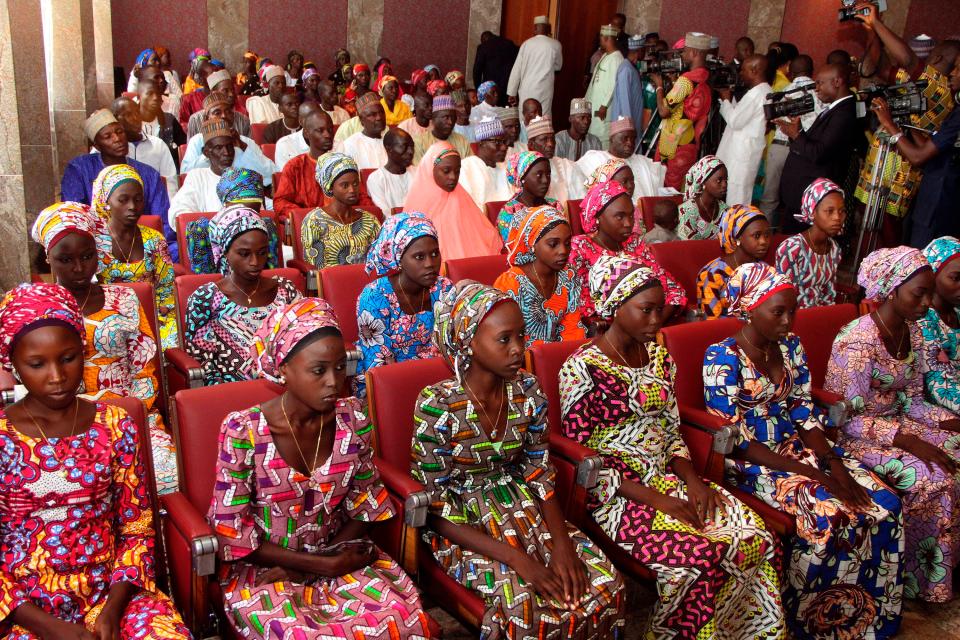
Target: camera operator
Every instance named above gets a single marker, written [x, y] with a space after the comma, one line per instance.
[684, 110]
[799, 72]
[824, 150]
[904, 178]
[935, 209]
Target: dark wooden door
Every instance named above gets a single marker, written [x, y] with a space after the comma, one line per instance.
[517, 18]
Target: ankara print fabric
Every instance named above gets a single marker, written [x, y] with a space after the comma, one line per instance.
[552, 320]
[498, 487]
[813, 274]
[711, 282]
[886, 398]
[692, 226]
[75, 519]
[940, 361]
[843, 576]
[328, 242]
[513, 208]
[720, 582]
[258, 497]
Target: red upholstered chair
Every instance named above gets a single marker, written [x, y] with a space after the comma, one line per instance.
[395, 210]
[683, 259]
[474, 147]
[775, 240]
[573, 215]
[817, 327]
[269, 150]
[153, 222]
[647, 204]
[257, 131]
[186, 218]
[483, 269]
[493, 210]
[364, 176]
[298, 261]
[341, 287]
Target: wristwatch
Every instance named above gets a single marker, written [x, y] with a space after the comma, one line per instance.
[895, 138]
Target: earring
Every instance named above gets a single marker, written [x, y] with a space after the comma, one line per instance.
[468, 352]
[283, 380]
[107, 207]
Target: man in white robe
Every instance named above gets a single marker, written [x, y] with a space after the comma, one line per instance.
[566, 179]
[150, 150]
[484, 175]
[647, 174]
[366, 146]
[744, 139]
[266, 109]
[388, 185]
[603, 82]
[289, 147]
[532, 76]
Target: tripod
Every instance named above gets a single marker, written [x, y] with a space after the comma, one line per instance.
[876, 201]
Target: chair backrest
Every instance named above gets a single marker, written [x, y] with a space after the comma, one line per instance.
[544, 360]
[375, 211]
[392, 392]
[483, 269]
[365, 175]
[152, 222]
[647, 204]
[181, 151]
[186, 218]
[269, 150]
[184, 286]
[199, 414]
[683, 259]
[817, 327]
[775, 241]
[148, 301]
[573, 215]
[686, 344]
[341, 287]
[297, 216]
[395, 210]
[256, 132]
[493, 210]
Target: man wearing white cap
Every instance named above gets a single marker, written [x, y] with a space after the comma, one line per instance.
[483, 175]
[602, 83]
[577, 140]
[532, 75]
[647, 174]
[266, 109]
[744, 138]
[566, 179]
[222, 82]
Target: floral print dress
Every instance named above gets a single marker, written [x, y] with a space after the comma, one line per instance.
[75, 519]
[328, 242]
[259, 498]
[722, 581]
[940, 361]
[497, 488]
[711, 281]
[886, 398]
[843, 571]
[387, 334]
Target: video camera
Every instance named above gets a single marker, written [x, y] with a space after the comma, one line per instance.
[848, 10]
[789, 104]
[663, 62]
[903, 100]
[723, 75]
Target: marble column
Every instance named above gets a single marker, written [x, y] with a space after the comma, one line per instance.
[643, 16]
[228, 30]
[365, 30]
[103, 51]
[765, 22]
[73, 87]
[484, 16]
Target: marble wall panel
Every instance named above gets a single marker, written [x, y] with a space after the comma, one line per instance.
[765, 22]
[484, 16]
[365, 31]
[643, 16]
[228, 31]
[103, 51]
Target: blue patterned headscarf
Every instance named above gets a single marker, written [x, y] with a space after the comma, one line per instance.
[229, 223]
[942, 251]
[144, 57]
[396, 234]
[331, 166]
[240, 186]
[484, 89]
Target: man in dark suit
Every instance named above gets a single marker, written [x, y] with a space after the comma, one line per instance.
[825, 150]
[495, 58]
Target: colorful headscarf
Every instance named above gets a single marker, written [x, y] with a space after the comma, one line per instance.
[218, 64]
[396, 234]
[284, 329]
[161, 50]
[698, 175]
[453, 76]
[229, 223]
[437, 87]
[732, 223]
[144, 56]
[431, 67]
[240, 186]
[886, 269]
[385, 80]
[526, 229]
[62, 218]
[597, 198]
[331, 166]
[614, 280]
[751, 284]
[27, 305]
[942, 251]
[604, 172]
[458, 314]
[109, 178]
[416, 76]
[199, 52]
[359, 67]
[308, 73]
[519, 164]
[812, 195]
[250, 55]
[484, 89]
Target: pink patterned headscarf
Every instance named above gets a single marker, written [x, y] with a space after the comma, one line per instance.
[886, 269]
[751, 284]
[284, 329]
[599, 196]
[812, 195]
[614, 280]
[604, 172]
[29, 305]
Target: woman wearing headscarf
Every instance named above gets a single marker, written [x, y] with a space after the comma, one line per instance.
[744, 238]
[338, 232]
[704, 192]
[120, 345]
[248, 80]
[909, 442]
[222, 316]
[811, 259]
[462, 229]
[77, 525]
[395, 311]
[396, 110]
[618, 170]
[169, 73]
[194, 79]
[359, 85]
[617, 398]
[940, 327]
[146, 58]
[528, 172]
[433, 72]
[480, 449]
[539, 280]
[131, 252]
[339, 77]
[294, 68]
[296, 494]
[418, 84]
[607, 217]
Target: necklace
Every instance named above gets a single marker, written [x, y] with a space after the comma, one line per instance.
[133, 242]
[249, 296]
[495, 425]
[73, 429]
[763, 352]
[620, 355]
[712, 213]
[413, 310]
[316, 452]
[890, 333]
[544, 292]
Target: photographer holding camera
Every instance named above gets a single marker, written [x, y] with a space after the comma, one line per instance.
[901, 177]
[824, 150]
[684, 110]
[935, 209]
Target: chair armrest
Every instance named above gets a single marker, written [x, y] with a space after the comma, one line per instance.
[833, 403]
[186, 365]
[179, 270]
[415, 500]
[308, 271]
[724, 432]
[586, 460]
[194, 527]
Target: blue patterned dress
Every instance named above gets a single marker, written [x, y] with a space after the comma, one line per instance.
[940, 361]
